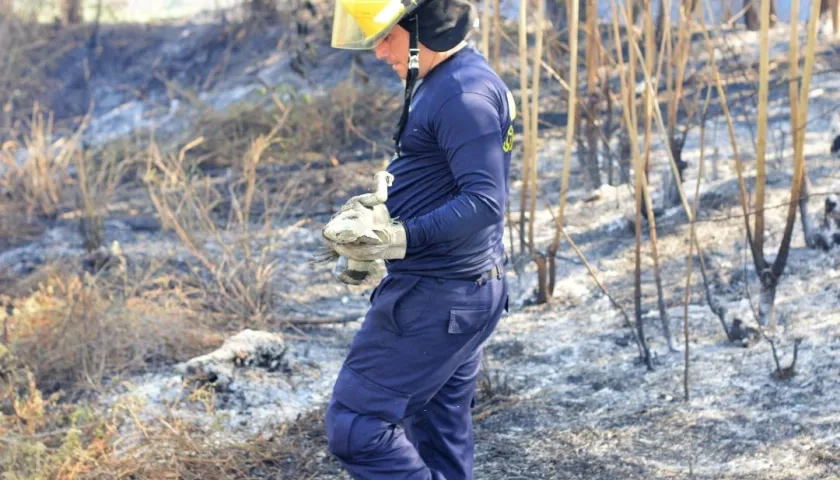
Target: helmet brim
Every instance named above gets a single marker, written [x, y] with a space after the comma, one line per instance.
[362, 24]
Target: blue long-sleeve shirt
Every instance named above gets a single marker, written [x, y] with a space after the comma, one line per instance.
[451, 180]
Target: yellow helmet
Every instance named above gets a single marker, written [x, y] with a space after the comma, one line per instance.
[360, 24]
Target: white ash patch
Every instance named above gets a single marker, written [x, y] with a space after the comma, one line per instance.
[251, 384]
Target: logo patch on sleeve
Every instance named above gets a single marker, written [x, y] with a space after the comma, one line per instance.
[507, 146]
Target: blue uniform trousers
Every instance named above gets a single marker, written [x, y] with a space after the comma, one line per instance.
[401, 403]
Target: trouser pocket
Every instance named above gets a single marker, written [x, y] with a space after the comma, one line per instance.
[360, 412]
[386, 298]
[463, 320]
[368, 397]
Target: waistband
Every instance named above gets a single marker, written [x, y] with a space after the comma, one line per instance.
[494, 273]
[497, 271]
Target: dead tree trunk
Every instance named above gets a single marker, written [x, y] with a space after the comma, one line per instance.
[607, 129]
[808, 228]
[751, 16]
[624, 157]
[835, 15]
[582, 150]
[767, 296]
[591, 132]
[555, 10]
[673, 196]
[751, 19]
[497, 36]
[71, 12]
[831, 7]
[542, 294]
[636, 9]
[660, 24]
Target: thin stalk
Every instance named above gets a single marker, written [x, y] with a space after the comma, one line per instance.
[649, 95]
[793, 94]
[639, 182]
[807, 222]
[574, 13]
[649, 99]
[690, 257]
[799, 134]
[676, 78]
[767, 294]
[758, 258]
[485, 28]
[497, 30]
[543, 295]
[630, 122]
[835, 16]
[593, 35]
[761, 141]
[660, 294]
[635, 48]
[535, 108]
[526, 121]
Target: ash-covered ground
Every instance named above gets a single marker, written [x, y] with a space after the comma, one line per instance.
[563, 394]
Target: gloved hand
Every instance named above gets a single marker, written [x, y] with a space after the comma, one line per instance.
[366, 233]
[390, 245]
[362, 235]
[357, 272]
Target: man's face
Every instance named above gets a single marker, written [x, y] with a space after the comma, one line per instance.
[394, 50]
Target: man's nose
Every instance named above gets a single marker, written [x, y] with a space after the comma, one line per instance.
[381, 50]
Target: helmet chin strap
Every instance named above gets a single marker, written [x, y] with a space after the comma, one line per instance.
[411, 77]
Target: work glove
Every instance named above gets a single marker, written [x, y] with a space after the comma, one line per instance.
[358, 236]
[357, 272]
[366, 233]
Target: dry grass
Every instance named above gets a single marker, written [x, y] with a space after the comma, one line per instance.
[236, 263]
[46, 439]
[72, 331]
[37, 170]
[301, 127]
[77, 330]
[229, 223]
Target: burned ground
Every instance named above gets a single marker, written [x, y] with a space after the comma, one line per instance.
[562, 393]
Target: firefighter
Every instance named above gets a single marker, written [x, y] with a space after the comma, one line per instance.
[400, 406]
